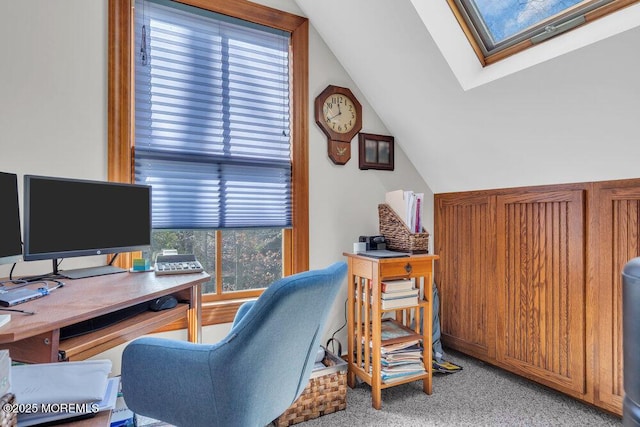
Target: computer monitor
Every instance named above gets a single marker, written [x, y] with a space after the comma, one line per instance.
[10, 235]
[71, 218]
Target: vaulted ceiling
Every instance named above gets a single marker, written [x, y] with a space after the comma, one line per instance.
[565, 111]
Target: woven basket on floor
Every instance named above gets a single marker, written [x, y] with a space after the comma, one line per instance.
[326, 393]
[397, 234]
[10, 418]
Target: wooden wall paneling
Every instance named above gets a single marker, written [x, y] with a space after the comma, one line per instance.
[465, 240]
[541, 286]
[558, 251]
[618, 233]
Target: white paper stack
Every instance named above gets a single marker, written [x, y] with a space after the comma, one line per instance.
[409, 206]
[68, 389]
[69, 382]
[5, 372]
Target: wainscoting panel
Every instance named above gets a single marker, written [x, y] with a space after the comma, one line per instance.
[541, 286]
[619, 219]
[530, 281]
[465, 230]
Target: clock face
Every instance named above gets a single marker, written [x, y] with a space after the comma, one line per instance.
[339, 113]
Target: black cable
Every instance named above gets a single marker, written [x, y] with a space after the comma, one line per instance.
[18, 283]
[58, 283]
[333, 339]
[114, 258]
[11, 272]
[18, 311]
[50, 276]
[24, 283]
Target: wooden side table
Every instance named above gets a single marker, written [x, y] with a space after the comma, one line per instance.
[365, 316]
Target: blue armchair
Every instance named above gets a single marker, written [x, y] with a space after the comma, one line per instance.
[251, 376]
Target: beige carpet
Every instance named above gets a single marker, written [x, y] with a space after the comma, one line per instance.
[479, 395]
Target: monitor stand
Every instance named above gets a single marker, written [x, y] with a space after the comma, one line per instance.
[81, 273]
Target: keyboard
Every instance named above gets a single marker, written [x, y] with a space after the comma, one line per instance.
[177, 264]
[101, 322]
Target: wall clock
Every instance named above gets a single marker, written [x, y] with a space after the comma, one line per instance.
[339, 115]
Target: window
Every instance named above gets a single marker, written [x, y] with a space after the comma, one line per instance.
[247, 259]
[212, 138]
[497, 29]
[245, 152]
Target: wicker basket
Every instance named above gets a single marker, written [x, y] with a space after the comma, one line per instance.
[397, 234]
[326, 393]
[8, 418]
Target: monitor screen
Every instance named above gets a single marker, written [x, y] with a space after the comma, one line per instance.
[10, 236]
[71, 217]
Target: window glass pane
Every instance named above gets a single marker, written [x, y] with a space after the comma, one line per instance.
[251, 258]
[504, 19]
[201, 243]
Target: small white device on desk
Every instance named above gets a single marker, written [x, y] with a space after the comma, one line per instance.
[177, 264]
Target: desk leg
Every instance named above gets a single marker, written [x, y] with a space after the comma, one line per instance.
[41, 348]
[194, 315]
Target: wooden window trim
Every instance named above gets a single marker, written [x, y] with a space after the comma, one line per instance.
[526, 44]
[121, 129]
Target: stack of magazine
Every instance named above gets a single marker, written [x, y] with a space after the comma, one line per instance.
[401, 362]
[401, 352]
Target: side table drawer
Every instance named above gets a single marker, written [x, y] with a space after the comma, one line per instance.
[405, 268]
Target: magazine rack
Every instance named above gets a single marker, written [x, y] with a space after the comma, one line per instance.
[397, 234]
[373, 332]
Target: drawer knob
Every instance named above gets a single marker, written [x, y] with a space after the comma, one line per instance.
[408, 268]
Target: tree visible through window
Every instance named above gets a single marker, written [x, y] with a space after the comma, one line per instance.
[250, 258]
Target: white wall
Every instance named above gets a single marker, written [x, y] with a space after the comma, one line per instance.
[53, 121]
[53, 109]
[573, 118]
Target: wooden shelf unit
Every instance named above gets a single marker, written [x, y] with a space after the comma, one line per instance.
[365, 316]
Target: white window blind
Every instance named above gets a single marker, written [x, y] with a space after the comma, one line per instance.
[211, 118]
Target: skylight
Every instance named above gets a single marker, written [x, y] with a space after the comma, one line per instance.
[499, 28]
